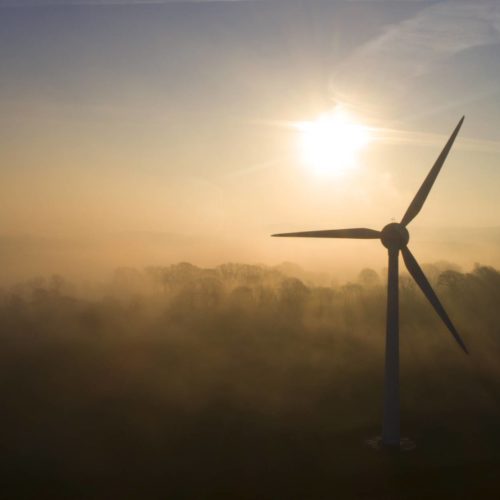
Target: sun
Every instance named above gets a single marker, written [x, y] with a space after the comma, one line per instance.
[331, 143]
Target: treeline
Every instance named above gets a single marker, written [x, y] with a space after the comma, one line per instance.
[279, 317]
[94, 374]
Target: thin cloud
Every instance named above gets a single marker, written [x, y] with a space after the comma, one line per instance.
[397, 136]
[96, 3]
[417, 45]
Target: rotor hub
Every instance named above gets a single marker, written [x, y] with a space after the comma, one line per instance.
[395, 235]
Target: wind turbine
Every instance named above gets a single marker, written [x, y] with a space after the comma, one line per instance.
[395, 238]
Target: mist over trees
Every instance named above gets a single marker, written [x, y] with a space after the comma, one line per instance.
[167, 369]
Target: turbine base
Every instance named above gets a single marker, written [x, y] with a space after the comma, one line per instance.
[405, 444]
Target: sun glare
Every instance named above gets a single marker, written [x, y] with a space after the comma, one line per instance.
[331, 143]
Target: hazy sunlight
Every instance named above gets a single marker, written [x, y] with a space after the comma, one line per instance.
[330, 144]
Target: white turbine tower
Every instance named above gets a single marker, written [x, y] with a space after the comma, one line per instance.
[395, 238]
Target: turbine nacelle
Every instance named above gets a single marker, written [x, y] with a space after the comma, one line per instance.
[395, 236]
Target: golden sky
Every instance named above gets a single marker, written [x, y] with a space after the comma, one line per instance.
[136, 133]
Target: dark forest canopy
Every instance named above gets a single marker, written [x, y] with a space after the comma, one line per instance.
[155, 363]
[278, 322]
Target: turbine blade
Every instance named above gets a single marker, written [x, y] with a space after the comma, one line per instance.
[418, 275]
[357, 233]
[419, 200]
